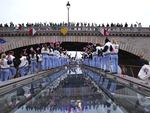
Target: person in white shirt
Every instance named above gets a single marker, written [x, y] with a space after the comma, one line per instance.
[33, 59]
[56, 58]
[45, 53]
[50, 58]
[10, 57]
[5, 68]
[107, 55]
[23, 65]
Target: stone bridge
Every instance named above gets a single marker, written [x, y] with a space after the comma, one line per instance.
[133, 40]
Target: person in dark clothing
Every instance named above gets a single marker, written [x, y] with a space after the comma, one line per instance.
[16, 62]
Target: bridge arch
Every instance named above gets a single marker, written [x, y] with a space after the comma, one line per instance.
[128, 44]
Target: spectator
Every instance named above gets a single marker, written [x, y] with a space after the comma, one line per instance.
[5, 68]
[10, 57]
[126, 25]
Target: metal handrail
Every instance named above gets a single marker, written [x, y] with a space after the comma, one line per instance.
[138, 85]
[13, 84]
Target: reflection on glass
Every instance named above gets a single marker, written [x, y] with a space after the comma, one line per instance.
[74, 94]
[81, 91]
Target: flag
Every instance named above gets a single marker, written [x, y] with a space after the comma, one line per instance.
[32, 31]
[104, 32]
[64, 30]
[101, 31]
[2, 41]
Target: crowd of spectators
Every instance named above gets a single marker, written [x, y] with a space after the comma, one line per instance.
[71, 24]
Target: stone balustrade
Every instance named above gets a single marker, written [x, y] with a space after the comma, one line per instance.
[77, 31]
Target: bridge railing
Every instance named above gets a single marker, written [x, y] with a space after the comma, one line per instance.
[134, 83]
[17, 92]
[79, 28]
[10, 85]
[131, 91]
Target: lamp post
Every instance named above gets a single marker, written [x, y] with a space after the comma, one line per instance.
[68, 6]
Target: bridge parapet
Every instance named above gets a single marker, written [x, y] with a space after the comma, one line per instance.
[77, 31]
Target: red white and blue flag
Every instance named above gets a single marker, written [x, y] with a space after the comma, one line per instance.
[32, 31]
[104, 32]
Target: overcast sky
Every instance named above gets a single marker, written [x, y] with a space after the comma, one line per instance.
[92, 11]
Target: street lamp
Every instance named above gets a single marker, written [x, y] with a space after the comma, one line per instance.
[68, 6]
